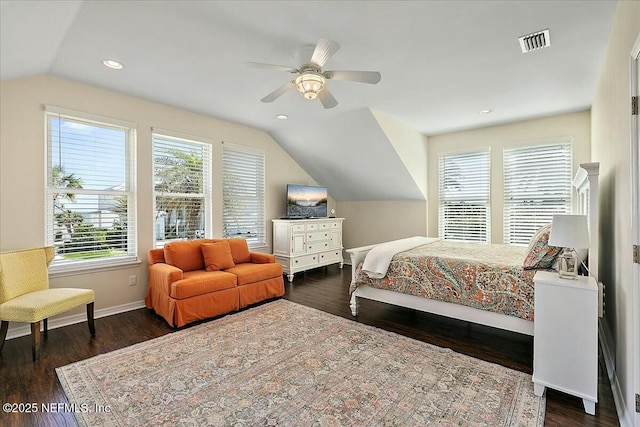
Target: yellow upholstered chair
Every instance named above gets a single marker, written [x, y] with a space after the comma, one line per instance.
[25, 295]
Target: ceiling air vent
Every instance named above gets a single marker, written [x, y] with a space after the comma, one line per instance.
[535, 41]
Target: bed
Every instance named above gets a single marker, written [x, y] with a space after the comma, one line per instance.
[491, 287]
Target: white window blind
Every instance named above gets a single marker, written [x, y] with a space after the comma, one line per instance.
[182, 189]
[537, 185]
[464, 197]
[243, 194]
[90, 191]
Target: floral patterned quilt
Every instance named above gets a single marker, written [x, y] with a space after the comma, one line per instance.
[485, 276]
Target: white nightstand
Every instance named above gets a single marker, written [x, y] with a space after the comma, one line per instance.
[565, 341]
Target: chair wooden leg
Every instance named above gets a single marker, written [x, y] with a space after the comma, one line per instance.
[92, 327]
[35, 340]
[46, 327]
[4, 327]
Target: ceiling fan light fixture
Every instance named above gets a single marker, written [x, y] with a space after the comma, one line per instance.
[310, 83]
[311, 80]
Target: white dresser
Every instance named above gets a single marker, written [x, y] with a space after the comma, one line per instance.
[565, 343]
[303, 244]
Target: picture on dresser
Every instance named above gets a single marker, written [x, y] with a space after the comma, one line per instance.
[306, 201]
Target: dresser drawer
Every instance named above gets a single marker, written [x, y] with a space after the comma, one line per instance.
[297, 228]
[318, 246]
[312, 226]
[331, 256]
[317, 236]
[304, 261]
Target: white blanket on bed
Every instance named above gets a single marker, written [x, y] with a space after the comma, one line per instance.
[377, 261]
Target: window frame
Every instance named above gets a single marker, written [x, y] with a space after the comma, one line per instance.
[207, 161]
[536, 160]
[478, 181]
[130, 191]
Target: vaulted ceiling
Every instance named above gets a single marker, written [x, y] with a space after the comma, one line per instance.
[442, 62]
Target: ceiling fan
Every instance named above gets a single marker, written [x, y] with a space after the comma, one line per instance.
[311, 80]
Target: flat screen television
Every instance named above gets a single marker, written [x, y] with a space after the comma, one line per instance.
[306, 201]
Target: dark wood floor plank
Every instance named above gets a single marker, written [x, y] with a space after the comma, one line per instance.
[326, 289]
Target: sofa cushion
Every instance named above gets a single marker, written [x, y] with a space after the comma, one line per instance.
[239, 250]
[155, 256]
[202, 282]
[185, 254]
[251, 273]
[217, 256]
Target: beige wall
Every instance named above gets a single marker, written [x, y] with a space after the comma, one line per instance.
[575, 126]
[610, 125]
[22, 165]
[369, 222]
[410, 145]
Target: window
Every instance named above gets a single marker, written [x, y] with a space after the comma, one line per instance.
[90, 190]
[537, 185]
[464, 197]
[182, 189]
[243, 194]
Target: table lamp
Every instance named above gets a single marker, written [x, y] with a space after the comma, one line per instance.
[569, 232]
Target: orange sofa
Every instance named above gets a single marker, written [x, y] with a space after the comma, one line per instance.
[198, 279]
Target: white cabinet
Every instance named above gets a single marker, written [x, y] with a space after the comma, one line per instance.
[302, 244]
[565, 342]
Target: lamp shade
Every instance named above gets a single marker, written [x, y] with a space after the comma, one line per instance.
[310, 83]
[569, 231]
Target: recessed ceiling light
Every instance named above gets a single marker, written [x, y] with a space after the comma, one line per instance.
[487, 111]
[112, 64]
[282, 117]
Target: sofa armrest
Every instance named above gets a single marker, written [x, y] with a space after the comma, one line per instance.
[162, 275]
[260, 258]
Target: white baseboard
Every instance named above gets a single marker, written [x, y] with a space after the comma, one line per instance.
[25, 329]
[608, 351]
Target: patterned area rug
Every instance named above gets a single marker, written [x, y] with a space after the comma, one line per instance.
[284, 364]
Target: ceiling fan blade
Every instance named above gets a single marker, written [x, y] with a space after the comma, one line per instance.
[278, 92]
[323, 51]
[371, 77]
[271, 67]
[328, 101]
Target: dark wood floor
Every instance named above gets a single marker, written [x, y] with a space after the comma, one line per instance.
[22, 381]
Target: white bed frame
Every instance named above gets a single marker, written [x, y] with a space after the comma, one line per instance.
[586, 186]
